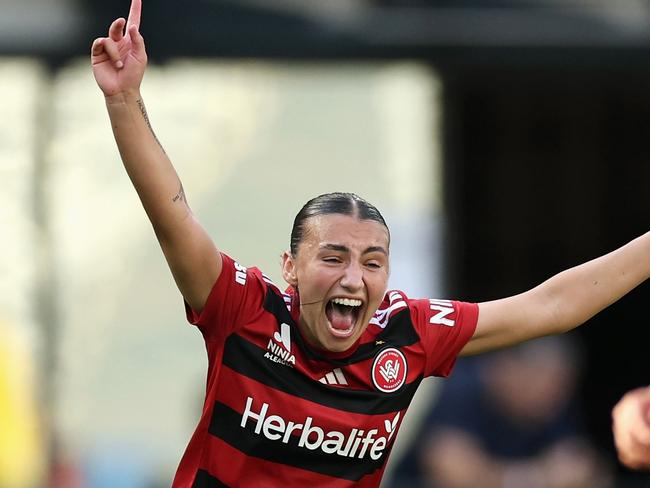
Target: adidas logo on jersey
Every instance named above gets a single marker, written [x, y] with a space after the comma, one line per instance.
[278, 349]
[334, 377]
[357, 443]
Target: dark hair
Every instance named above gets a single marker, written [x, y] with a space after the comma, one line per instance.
[333, 203]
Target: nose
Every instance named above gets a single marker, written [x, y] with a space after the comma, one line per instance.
[352, 277]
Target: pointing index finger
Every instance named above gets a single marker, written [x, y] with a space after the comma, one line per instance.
[134, 14]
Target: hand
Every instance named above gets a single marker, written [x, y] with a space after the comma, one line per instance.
[631, 428]
[119, 60]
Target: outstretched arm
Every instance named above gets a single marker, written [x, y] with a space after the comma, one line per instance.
[119, 61]
[563, 302]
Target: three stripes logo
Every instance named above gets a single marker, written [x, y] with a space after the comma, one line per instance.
[334, 377]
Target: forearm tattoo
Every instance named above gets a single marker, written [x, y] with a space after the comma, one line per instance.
[180, 196]
[143, 110]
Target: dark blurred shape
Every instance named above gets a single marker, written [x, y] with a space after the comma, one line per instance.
[41, 27]
[202, 28]
[509, 419]
[546, 167]
[438, 31]
[461, 3]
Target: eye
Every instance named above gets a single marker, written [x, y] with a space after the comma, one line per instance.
[332, 259]
[374, 264]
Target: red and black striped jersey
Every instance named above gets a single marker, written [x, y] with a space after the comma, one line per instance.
[279, 412]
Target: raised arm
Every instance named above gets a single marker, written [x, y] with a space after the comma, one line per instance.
[563, 302]
[119, 61]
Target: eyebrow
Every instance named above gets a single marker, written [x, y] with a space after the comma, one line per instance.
[341, 248]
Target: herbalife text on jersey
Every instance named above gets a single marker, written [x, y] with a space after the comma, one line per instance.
[312, 437]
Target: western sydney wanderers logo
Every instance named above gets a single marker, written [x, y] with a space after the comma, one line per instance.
[389, 370]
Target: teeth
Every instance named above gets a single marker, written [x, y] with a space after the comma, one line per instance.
[349, 302]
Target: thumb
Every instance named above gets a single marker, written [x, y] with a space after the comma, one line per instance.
[98, 47]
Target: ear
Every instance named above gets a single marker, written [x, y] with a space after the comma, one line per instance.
[289, 269]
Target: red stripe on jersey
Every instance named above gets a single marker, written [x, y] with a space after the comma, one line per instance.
[234, 390]
[239, 471]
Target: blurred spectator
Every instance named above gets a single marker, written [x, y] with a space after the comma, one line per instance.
[508, 420]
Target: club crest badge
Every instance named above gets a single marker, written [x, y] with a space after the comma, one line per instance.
[389, 370]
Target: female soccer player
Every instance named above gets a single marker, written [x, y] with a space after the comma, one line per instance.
[309, 387]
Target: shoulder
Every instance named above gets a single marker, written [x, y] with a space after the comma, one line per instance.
[394, 302]
[433, 311]
[239, 285]
[238, 274]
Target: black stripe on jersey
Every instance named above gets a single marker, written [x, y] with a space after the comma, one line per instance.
[399, 333]
[206, 480]
[248, 359]
[225, 424]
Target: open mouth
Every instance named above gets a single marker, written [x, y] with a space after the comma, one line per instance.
[343, 314]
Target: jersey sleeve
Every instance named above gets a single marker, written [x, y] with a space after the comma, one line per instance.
[444, 327]
[235, 299]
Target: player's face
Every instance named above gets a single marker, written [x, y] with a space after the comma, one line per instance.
[341, 272]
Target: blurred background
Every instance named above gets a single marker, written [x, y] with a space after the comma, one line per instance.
[503, 140]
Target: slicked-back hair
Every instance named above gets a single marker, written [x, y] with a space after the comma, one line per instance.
[333, 203]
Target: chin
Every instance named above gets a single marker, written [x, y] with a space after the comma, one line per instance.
[339, 346]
